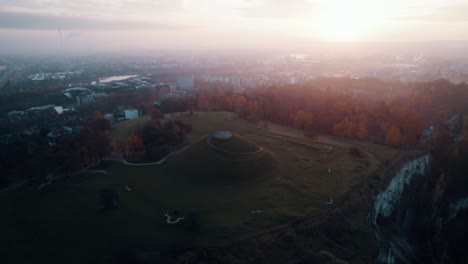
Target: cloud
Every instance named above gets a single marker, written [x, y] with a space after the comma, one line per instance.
[450, 13]
[93, 6]
[281, 9]
[17, 20]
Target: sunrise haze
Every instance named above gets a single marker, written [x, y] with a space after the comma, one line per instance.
[207, 24]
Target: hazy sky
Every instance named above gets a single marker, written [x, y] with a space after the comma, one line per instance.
[197, 24]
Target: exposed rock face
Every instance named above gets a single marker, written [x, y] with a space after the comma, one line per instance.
[387, 200]
[457, 207]
[388, 212]
[421, 216]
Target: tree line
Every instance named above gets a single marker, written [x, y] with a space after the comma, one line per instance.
[388, 112]
[31, 157]
[154, 140]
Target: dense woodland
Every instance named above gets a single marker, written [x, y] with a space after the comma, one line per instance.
[392, 113]
[154, 140]
[33, 158]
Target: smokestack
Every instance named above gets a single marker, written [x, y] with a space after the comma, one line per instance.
[60, 38]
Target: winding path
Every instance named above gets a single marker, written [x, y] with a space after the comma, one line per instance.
[161, 161]
[86, 169]
[170, 221]
[208, 140]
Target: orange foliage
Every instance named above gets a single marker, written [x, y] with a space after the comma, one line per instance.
[238, 103]
[133, 144]
[393, 136]
[363, 130]
[156, 114]
[338, 130]
[397, 114]
[203, 101]
[303, 120]
[353, 130]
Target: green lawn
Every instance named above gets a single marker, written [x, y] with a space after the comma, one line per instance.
[236, 144]
[63, 222]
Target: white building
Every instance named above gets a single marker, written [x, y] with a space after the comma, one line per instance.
[40, 108]
[85, 99]
[59, 110]
[109, 116]
[131, 113]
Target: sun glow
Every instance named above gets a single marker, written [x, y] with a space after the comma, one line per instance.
[346, 21]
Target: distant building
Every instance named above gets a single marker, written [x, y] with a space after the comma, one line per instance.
[131, 113]
[59, 110]
[15, 115]
[79, 95]
[167, 89]
[60, 98]
[100, 94]
[77, 90]
[109, 116]
[41, 108]
[185, 83]
[85, 99]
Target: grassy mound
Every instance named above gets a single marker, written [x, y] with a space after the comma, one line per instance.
[201, 161]
[236, 144]
[64, 223]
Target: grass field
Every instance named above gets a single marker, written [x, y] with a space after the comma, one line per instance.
[236, 144]
[63, 222]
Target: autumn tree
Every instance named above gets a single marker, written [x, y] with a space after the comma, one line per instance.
[353, 129]
[393, 136]
[302, 120]
[338, 130]
[159, 138]
[133, 144]
[205, 100]
[70, 153]
[95, 136]
[227, 103]
[363, 130]
[238, 103]
[343, 128]
[156, 114]
[99, 123]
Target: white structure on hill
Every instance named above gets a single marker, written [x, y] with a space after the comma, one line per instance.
[221, 134]
[131, 113]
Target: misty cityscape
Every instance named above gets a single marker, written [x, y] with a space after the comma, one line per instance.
[233, 131]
